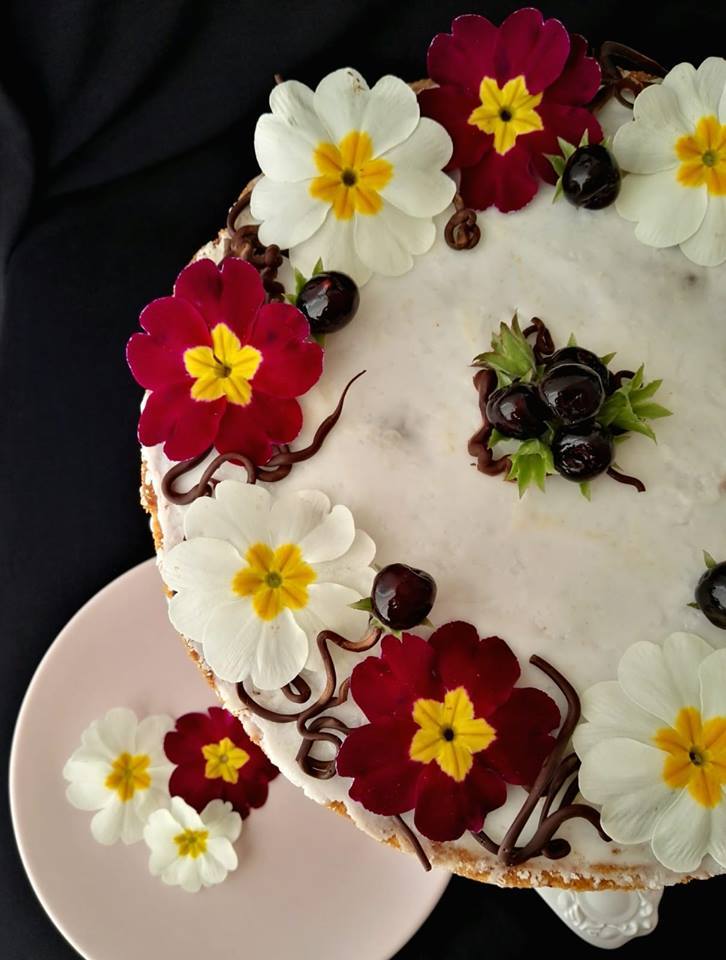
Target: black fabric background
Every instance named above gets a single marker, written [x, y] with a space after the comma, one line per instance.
[125, 134]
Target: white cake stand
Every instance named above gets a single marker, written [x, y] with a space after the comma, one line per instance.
[607, 918]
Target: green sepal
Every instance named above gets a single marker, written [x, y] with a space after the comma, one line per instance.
[586, 490]
[511, 356]
[291, 298]
[319, 338]
[571, 341]
[366, 604]
[558, 163]
[300, 281]
[531, 463]
[708, 560]
[693, 604]
[318, 268]
[495, 437]
[629, 407]
[608, 358]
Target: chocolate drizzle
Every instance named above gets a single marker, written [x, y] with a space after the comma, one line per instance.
[244, 242]
[625, 478]
[485, 382]
[276, 468]
[624, 70]
[544, 345]
[553, 776]
[462, 231]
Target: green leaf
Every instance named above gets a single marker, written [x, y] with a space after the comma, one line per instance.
[608, 358]
[318, 268]
[531, 463]
[629, 407]
[495, 437]
[708, 560]
[511, 357]
[365, 604]
[586, 491]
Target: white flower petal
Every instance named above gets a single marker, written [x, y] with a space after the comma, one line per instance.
[190, 611]
[353, 569]
[707, 246]
[117, 730]
[644, 148]
[231, 638]
[154, 798]
[418, 186]
[340, 101]
[150, 735]
[682, 81]
[221, 820]
[658, 107]
[387, 241]
[88, 794]
[295, 515]
[187, 873]
[331, 538]
[247, 509]
[334, 244]
[711, 83]
[211, 871]
[221, 850]
[294, 103]
[281, 652]
[667, 213]
[391, 114]
[631, 817]
[107, 825]
[202, 565]
[330, 603]
[289, 212]
[717, 846]
[712, 679]
[611, 714]
[645, 678]
[682, 834]
[185, 815]
[283, 152]
[619, 766]
[683, 654]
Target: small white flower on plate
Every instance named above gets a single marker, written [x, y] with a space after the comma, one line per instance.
[258, 578]
[352, 175]
[653, 750]
[121, 771]
[675, 152]
[190, 849]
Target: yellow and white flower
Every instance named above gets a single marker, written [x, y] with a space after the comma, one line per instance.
[675, 155]
[352, 175]
[257, 579]
[193, 850]
[121, 771]
[653, 750]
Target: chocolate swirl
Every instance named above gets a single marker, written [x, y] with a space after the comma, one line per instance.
[244, 242]
[462, 231]
[485, 382]
[624, 71]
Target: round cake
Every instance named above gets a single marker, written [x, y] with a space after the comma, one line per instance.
[436, 465]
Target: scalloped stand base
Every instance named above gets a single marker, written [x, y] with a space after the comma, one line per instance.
[608, 918]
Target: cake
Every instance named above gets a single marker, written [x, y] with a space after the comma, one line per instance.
[399, 451]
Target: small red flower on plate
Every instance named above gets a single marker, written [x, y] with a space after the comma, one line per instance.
[216, 760]
[505, 94]
[223, 367]
[448, 731]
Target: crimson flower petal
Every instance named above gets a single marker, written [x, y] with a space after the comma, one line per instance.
[175, 324]
[187, 426]
[523, 743]
[253, 429]
[559, 121]
[291, 363]
[189, 783]
[533, 47]
[445, 809]
[231, 294]
[451, 107]
[153, 364]
[377, 755]
[386, 686]
[580, 80]
[464, 56]
[507, 182]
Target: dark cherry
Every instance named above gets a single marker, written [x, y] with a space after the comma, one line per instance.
[517, 411]
[329, 301]
[582, 452]
[573, 392]
[591, 177]
[711, 595]
[402, 596]
[585, 357]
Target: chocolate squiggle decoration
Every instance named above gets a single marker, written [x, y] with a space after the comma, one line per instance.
[485, 381]
[462, 232]
[544, 345]
[624, 70]
[627, 479]
[276, 468]
[414, 841]
[554, 773]
[244, 242]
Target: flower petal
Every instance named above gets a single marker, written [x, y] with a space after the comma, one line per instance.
[682, 81]
[523, 742]
[238, 513]
[611, 714]
[451, 107]
[506, 182]
[711, 83]
[567, 122]
[418, 187]
[667, 213]
[466, 55]
[707, 246]
[201, 565]
[186, 426]
[222, 821]
[333, 244]
[717, 846]
[288, 211]
[117, 729]
[294, 104]
[385, 242]
[296, 514]
[220, 860]
[683, 654]
[175, 324]
[377, 756]
[682, 834]
[331, 538]
[155, 365]
[291, 362]
[89, 793]
[644, 676]
[232, 635]
[387, 685]
[285, 150]
[390, 115]
[107, 825]
[330, 602]
[280, 654]
[531, 46]
[150, 735]
[642, 147]
[631, 817]
[712, 679]
[353, 569]
[445, 808]
[659, 108]
[486, 668]
[340, 101]
[580, 79]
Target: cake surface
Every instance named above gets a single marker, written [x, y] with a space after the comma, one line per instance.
[572, 580]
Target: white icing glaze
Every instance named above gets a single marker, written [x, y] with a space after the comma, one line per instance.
[572, 581]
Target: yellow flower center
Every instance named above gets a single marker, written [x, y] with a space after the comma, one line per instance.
[275, 579]
[224, 759]
[350, 179]
[129, 774]
[449, 734]
[703, 157]
[225, 369]
[508, 112]
[192, 843]
[696, 756]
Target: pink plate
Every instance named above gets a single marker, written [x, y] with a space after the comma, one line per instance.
[308, 884]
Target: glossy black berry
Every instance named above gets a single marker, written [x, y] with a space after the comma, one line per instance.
[517, 411]
[585, 357]
[329, 301]
[573, 392]
[591, 177]
[711, 595]
[583, 452]
[402, 596]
